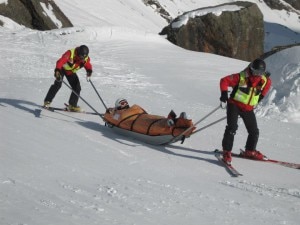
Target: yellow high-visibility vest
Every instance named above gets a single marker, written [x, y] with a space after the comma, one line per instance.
[248, 95]
[70, 66]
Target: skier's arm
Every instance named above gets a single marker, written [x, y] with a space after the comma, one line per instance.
[267, 87]
[63, 60]
[229, 81]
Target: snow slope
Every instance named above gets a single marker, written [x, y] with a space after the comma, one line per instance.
[62, 168]
[281, 27]
[134, 14]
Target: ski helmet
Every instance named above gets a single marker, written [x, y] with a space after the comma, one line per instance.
[82, 51]
[258, 67]
[121, 103]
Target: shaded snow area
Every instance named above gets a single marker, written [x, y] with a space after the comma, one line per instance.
[278, 35]
[68, 168]
[285, 18]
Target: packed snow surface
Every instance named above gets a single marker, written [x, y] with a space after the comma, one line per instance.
[65, 168]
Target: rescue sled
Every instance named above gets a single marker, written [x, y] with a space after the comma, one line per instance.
[135, 122]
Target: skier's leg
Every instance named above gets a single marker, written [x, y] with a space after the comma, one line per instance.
[75, 84]
[249, 119]
[231, 128]
[54, 88]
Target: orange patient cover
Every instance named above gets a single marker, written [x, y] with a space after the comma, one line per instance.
[136, 119]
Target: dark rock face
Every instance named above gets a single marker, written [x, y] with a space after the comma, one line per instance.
[276, 4]
[236, 34]
[31, 14]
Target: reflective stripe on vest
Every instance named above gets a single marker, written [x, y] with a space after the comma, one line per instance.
[70, 65]
[248, 95]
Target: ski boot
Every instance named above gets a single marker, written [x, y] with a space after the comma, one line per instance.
[227, 157]
[254, 154]
[72, 108]
[46, 105]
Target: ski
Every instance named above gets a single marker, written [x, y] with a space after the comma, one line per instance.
[230, 169]
[266, 159]
[281, 163]
[53, 109]
[82, 111]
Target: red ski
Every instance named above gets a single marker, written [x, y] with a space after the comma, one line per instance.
[230, 169]
[266, 159]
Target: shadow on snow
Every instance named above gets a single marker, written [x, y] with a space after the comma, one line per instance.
[36, 109]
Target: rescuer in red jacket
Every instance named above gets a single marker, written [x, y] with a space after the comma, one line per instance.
[248, 88]
[70, 62]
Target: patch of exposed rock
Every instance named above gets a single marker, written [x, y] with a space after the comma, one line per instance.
[237, 33]
[31, 14]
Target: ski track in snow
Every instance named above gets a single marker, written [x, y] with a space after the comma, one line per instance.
[134, 196]
[263, 189]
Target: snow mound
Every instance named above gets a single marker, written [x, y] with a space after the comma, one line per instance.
[10, 24]
[283, 100]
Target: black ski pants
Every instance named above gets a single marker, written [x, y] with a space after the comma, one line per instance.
[233, 112]
[74, 82]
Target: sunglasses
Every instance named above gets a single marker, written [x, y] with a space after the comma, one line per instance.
[256, 72]
[82, 57]
[123, 103]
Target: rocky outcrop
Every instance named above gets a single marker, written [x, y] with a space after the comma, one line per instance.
[31, 14]
[158, 8]
[237, 34]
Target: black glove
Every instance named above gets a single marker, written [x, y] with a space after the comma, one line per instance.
[268, 74]
[260, 98]
[89, 73]
[224, 96]
[58, 74]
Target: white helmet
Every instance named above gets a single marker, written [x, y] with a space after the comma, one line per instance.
[121, 103]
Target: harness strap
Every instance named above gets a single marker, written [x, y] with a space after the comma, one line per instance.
[127, 118]
[131, 128]
[155, 121]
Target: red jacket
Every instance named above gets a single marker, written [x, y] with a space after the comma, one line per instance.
[66, 58]
[252, 81]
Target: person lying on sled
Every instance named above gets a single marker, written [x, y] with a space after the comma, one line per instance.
[136, 119]
[123, 110]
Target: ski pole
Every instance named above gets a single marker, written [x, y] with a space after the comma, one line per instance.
[174, 139]
[208, 125]
[98, 94]
[82, 99]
